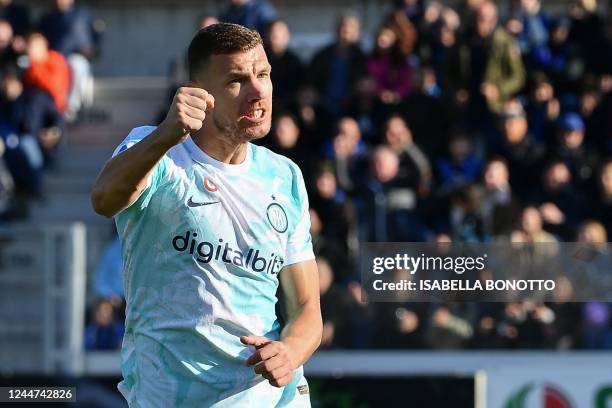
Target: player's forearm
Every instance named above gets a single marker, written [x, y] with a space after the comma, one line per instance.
[303, 333]
[124, 177]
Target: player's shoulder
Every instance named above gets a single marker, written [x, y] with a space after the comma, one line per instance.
[274, 163]
[140, 132]
[134, 136]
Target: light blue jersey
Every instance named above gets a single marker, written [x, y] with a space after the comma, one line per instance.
[202, 249]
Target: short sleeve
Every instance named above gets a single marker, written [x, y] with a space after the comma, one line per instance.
[299, 247]
[135, 136]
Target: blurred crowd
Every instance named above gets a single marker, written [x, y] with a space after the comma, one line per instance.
[470, 123]
[45, 81]
[466, 121]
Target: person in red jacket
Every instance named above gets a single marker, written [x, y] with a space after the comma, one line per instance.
[48, 70]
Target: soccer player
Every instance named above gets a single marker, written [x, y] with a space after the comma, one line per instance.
[209, 225]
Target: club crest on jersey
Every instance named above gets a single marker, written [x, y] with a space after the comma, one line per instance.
[210, 186]
[277, 217]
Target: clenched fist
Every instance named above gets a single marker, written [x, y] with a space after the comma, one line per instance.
[187, 112]
[272, 359]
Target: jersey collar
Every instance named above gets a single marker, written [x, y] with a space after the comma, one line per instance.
[198, 155]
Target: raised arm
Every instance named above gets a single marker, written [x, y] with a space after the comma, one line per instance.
[125, 176]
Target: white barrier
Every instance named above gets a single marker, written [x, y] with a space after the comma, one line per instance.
[42, 299]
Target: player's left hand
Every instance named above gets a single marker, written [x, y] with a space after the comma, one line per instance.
[272, 359]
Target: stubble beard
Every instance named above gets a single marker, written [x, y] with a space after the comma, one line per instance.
[233, 133]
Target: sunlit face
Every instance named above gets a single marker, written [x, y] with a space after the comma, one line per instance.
[279, 37]
[606, 178]
[486, 19]
[349, 31]
[496, 175]
[287, 132]
[37, 47]
[572, 139]
[326, 185]
[557, 176]
[385, 166]
[6, 35]
[64, 4]
[386, 38]
[241, 86]
[398, 134]
[531, 220]
[515, 129]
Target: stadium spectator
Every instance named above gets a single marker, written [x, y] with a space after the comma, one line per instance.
[532, 230]
[399, 323]
[429, 112]
[560, 205]
[347, 151]
[518, 147]
[404, 29]
[335, 70]
[287, 69]
[531, 27]
[255, 14]
[543, 109]
[48, 70]
[8, 55]
[70, 30]
[587, 32]
[462, 166]
[490, 64]
[26, 118]
[451, 326]
[464, 217]
[500, 208]
[7, 189]
[597, 316]
[333, 305]
[105, 332]
[571, 148]
[601, 207]
[389, 68]
[286, 139]
[414, 167]
[335, 211]
[17, 15]
[388, 208]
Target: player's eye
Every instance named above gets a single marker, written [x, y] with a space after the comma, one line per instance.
[264, 74]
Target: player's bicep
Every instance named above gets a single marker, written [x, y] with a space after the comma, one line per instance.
[299, 244]
[141, 198]
[300, 287]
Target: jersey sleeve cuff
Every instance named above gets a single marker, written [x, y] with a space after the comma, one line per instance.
[299, 257]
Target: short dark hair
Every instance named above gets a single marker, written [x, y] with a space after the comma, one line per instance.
[220, 38]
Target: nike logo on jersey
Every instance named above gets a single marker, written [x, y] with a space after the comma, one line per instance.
[191, 203]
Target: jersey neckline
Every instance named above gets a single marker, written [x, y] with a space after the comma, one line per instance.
[200, 156]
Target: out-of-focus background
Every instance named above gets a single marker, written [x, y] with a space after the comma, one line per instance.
[464, 121]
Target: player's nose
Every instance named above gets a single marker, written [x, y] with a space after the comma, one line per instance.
[256, 90]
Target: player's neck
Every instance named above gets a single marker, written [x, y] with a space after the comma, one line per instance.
[222, 149]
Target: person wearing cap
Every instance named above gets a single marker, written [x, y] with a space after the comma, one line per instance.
[520, 150]
[581, 160]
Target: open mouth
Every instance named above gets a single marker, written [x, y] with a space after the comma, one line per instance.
[254, 115]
